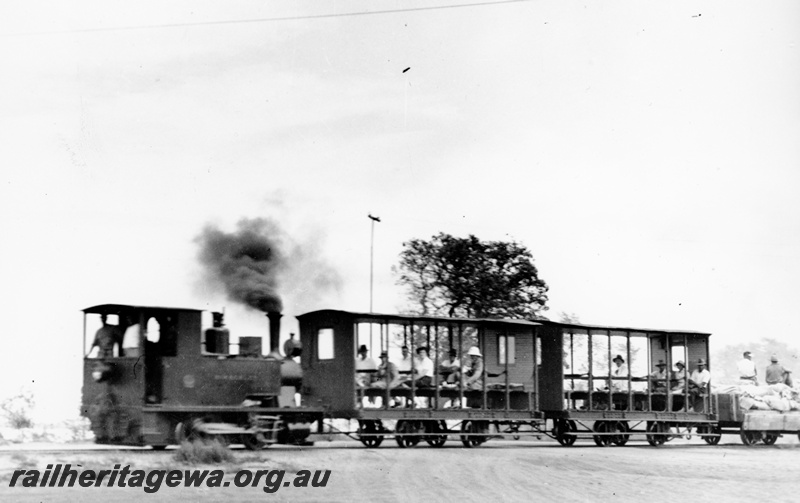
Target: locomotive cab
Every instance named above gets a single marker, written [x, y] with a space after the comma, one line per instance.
[151, 374]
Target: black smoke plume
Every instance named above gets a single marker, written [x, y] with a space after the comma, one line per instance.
[247, 262]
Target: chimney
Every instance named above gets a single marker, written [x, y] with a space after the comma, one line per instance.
[274, 334]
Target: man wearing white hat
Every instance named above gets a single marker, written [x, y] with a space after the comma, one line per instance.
[679, 376]
[473, 370]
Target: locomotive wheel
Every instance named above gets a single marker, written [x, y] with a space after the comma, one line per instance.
[370, 429]
[710, 433]
[656, 430]
[602, 427]
[623, 435]
[769, 438]
[185, 431]
[438, 433]
[255, 442]
[471, 433]
[404, 434]
[563, 431]
[189, 431]
[750, 437]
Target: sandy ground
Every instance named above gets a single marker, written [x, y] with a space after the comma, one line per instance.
[501, 470]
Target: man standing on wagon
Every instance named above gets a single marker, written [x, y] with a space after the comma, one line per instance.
[747, 370]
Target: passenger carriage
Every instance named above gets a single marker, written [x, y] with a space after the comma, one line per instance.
[505, 404]
[586, 397]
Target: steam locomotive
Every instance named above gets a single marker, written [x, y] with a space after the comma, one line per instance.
[179, 381]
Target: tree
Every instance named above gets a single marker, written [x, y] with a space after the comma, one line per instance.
[468, 277]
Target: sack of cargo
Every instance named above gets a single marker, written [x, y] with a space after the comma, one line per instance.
[777, 403]
[757, 391]
[746, 403]
[760, 405]
[779, 388]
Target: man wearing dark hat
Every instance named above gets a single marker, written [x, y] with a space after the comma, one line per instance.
[747, 370]
[365, 367]
[701, 376]
[387, 376]
[451, 367]
[776, 373]
[106, 337]
[658, 378]
[620, 372]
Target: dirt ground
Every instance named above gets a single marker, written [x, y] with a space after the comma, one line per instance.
[500, 470]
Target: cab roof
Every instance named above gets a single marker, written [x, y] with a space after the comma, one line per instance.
[122, 308]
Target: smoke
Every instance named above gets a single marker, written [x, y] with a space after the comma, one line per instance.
[259, 260]
[247, 263]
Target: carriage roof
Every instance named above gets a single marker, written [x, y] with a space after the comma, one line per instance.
[409, 319]
[621, 329]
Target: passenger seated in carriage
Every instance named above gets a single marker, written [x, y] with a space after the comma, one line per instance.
[700, 377]
[620, 371]
[451, 368]
[678, 377]
[473, 370]
[387, 376]
[365, 367]
[423, 369]
[658, 378]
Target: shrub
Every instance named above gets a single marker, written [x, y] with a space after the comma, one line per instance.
[17, 409]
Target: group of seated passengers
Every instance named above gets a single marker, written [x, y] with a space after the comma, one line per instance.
[418, 374]
[659, 379]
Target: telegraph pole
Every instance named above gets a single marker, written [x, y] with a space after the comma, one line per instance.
[371, 254]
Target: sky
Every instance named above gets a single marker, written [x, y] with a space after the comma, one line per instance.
[646, 153]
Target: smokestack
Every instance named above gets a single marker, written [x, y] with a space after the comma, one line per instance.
[274, 334]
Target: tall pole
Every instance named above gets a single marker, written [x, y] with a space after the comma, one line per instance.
[371, 261]
[371, 253]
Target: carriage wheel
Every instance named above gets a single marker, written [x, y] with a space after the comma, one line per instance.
[563, 431]
[750, 437]
[711, 434]
[769, 438]
[602, 427]
[438, 430]
[656, 430]
[404, 434]
[370, 429]
[471, 433]
[623, 433]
